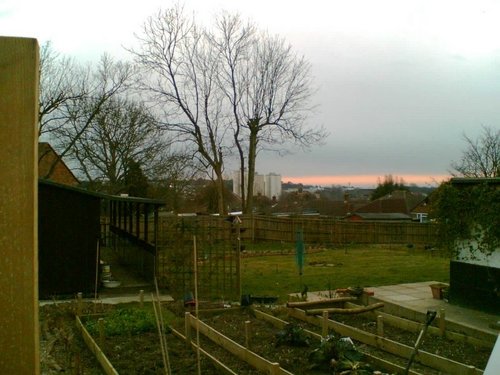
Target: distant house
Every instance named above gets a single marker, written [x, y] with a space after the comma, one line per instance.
[382, 216]
[52, 167]
[399, 205]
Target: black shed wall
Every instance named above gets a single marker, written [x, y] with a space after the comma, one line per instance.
[68, 232]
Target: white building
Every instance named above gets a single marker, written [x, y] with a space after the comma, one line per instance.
[268, 185]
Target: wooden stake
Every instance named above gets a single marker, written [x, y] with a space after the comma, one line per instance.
[102, 335]
[160, 334]
[324, 328]
[275, 368]
[96, 276]
[247, 334]
[141, 298]
[442, 322]
[187, 327]
[380, 325]
[162, 326]
[195, 262]
[79, 304]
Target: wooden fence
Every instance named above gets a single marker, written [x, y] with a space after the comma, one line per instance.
[328, 231]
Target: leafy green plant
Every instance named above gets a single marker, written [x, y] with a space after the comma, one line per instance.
[292, 335]
[125, 321]
[468, 213]
[338, 356]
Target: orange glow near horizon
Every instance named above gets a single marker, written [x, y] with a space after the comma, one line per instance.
[364, 180]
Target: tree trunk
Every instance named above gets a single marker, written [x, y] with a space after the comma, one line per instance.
[252, 155]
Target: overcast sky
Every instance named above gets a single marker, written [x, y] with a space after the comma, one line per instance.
[399, 82]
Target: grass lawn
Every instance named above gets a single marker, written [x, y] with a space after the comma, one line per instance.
[364, 266]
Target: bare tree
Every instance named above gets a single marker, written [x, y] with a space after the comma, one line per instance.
[71, 95]
[108, 80]
[227, 88]
[180, 74]
[123, 136]
[481, 158]
[61, 80]
[268, 87]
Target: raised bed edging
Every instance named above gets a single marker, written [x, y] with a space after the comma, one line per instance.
[427, 359]
[454, 326]
[94, 348]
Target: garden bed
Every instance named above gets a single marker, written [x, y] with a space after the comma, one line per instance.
[137, 350]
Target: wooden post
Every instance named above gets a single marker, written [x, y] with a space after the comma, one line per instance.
[100, 322]
[141, 298]
[442, 322]
[380, 325]
[324, 328]
[187, 328]
[79, 304]
[274, 369]
[19, 340]
[247, 334]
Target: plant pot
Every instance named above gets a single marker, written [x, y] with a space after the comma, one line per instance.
[437, 290]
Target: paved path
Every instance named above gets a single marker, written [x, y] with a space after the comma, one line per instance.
[418, 297]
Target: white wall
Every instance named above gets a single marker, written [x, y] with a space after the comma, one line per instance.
[466, 255]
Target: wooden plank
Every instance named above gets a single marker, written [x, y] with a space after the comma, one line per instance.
[388, 366]
[393, 347]
[412, 326]
[19, 339]
[94, 348]
[238, 350]
[216, 362]
[357, 310]
[321, 303]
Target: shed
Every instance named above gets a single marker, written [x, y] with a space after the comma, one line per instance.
[68, 237]
[69, 233]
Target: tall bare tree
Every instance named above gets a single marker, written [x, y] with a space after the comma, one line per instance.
[268, 87]
[180, 74]
[229, 88]
[481, 158]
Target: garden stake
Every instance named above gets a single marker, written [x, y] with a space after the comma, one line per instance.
[195, 262]
[96, 276]
[442, 322]
[162, 325]
[79, 304]
[158, 325]
[431, 314]
[380, 325]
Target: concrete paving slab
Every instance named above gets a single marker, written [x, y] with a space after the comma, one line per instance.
[418, 297]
